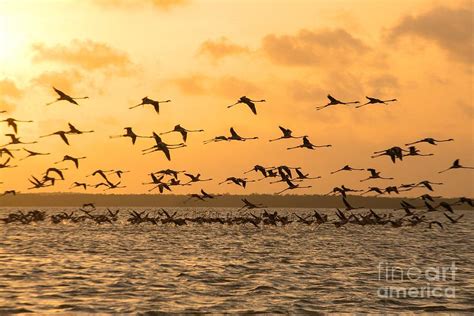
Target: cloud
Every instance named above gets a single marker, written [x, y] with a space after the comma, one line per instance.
[225, 86]
[313, 47]
[87, 55]
[221, 48]
[158, 4]
[449, 28]
[66, 80]
[9, 93]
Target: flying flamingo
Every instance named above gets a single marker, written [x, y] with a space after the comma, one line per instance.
[346, 168]
[74, 130]
[287, 133]
[374, 174]
[334, 101]
[12, 122]
[79, 184]
[155, 104]
[249, 102]
[64, 97]
[72, 159]
[431, 141]
[162, 146]
[61, 134]
[456, 165]
[375, 100]
[307, 144]
[7, 151]
[235, 136]
[129, 133]
[33, 153]
[216, 139]
[292, 186]
[413, 151]
[184, 132]
[16, 140]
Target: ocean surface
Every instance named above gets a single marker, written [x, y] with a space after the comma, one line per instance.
[216, 268]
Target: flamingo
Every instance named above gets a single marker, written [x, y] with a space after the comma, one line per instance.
[79, 184]
[239, 181]
[64, 97]
[7, 151]
[195, 178]
[302, 176]
[12, 122]
[72, 159]
[346, 168]
[431, 141]
[129, 133]
[216, 139]
[162, 146]
[393, 152]
[287, 133]
[16, 140]
[258, 168]
[456, 165]
[374, 174]
[334, 101]
[183, 131]
[74, 130]
[292, 186]
[307, 144]
[148, 101]
[6, 165]
[374, 101]
[249, 102]
[33, 153]
[413, 151]
[235, 136]
[61, 134]
[171, 172]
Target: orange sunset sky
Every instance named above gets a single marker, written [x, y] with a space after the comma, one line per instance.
[205, 54]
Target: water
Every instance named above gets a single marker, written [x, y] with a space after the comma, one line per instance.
[124, 268]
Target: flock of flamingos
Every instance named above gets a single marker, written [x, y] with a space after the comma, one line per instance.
[293, 177]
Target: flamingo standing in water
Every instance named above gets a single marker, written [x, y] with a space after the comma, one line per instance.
[249, 102]
[334, 101]
[64, 97]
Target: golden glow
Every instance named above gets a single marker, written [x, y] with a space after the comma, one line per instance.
[205, 54]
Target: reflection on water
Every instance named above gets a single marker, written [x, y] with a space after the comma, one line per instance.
[298, 268]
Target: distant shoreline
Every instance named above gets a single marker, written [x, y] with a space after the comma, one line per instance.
[171, 200]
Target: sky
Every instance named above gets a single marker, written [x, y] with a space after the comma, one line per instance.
[205, 54]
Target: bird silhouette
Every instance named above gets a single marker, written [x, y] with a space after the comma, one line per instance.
[292, 186]
[6, 164]
[287, 133]
[64, 97]
[72, 159]
[79, 185]
[216, 139]
[61, 134]
[129, 133]
[393, 152]
[346, 168]
[183, 131]
[195, 178]
[413, 151]
[74, 130]
[334, 101]
[456, 165]
[375, 100]
[8, 152]
[162, 146]
[148, 101]
[249, 102]
[374, 174]
[33, 154]
[235, 136]
[307, 144]
[11, 122]
[16, 140]
[431, 141]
